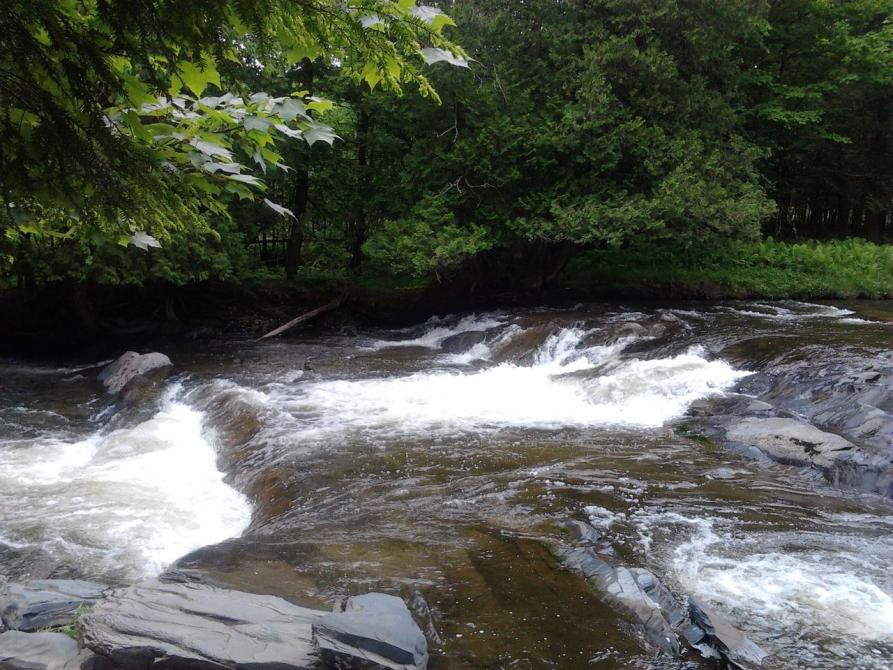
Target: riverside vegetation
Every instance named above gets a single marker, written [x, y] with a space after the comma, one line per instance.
[604, 145]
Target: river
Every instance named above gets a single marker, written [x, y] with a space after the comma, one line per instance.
[329, 463]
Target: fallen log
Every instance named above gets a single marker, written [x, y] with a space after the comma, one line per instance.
[328, 307]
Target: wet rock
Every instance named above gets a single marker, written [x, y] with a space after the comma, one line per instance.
[584, 534]
[25, 563]
[129, 366]
[177, 625]
[462, 342]
[715, 637]
[790, 441]
[635, 592]
[372, 631]
[522, 345]
[46, 603]
[45, 651]
[794, 442]
[630, 329]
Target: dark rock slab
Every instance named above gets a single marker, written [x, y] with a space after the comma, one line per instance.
[193, 625]
[45, 651]
[837, 407]
[129, 366]
[715, 637]
[46, 603]
[635, 592]
[374, 630]
[519, 345]
[586, 535]
[462, 342]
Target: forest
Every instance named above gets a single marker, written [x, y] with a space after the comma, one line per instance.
[483, 146]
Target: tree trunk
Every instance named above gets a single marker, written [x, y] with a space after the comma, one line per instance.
[361, 223]
[300, 194]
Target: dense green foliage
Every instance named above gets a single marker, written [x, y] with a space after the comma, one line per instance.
[767, 269]
[331, 141]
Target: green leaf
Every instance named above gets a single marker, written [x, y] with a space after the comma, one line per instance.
[371, 75]
[197, 77]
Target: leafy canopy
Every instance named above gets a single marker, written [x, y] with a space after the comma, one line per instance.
[127, 115]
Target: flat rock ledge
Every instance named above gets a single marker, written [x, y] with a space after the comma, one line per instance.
[178, 625]
[46, 603]
[794, 442]
[46, 651]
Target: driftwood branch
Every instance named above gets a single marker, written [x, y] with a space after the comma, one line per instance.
[328, 307]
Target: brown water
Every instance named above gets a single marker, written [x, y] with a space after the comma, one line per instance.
[392, 465]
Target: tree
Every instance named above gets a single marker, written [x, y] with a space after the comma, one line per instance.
[106, 124]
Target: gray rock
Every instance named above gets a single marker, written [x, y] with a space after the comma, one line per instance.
[635, 592]
[584, 534]
[46, 603]
[630, 329]
[462, 342]
[715, 637]
[176, 625]
[373, 631]
[45, 651]
[790, 441]
[794, 442]
[131, 365]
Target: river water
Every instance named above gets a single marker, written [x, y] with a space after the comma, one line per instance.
[330, 464]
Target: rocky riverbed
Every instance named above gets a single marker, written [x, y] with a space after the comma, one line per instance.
[597, 486]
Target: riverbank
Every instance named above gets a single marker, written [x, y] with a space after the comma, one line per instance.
[837, 269]
[97, 319]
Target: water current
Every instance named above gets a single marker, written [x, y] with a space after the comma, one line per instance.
[436, 461]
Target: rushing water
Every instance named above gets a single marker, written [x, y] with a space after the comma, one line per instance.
[392, 464]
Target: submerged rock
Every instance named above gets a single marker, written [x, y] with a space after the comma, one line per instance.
[372, 631]
[129, 366]
[635, 592]
[584, 534]
[46, 603]
[462, 342]
[715, 637]
[167, 625]
[522, 344]
[45, 651]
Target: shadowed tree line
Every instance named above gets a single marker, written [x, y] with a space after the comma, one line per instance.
[569, 125]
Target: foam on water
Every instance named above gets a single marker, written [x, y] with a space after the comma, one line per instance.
[567, 385]
[128, 502]
[437, 330]
[808, 596]
[797, 311]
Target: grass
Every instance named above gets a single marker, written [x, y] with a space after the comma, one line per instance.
[73, 629]
[835, 269]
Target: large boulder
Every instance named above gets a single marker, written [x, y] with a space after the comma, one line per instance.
[130, 366]
[177, 625]
[716, 638]
[46, 603]
[374, 630]
[45, 651]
